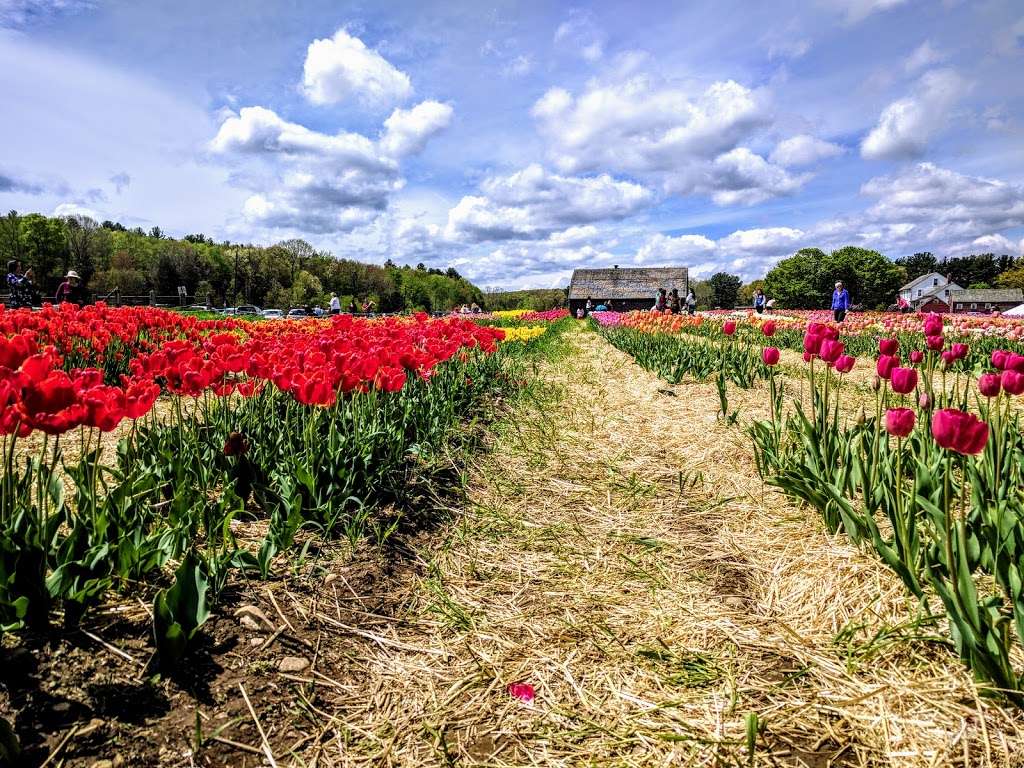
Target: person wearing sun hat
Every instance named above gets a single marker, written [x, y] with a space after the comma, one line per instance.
[70, 290]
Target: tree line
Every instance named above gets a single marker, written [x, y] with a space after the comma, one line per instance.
[806, 279]
[292, 273]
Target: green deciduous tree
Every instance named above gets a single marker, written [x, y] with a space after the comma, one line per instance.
[726, 288]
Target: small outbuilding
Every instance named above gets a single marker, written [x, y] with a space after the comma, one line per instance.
[986, 299]
[625, 289]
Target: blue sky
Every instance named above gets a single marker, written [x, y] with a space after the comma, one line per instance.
[517, 141]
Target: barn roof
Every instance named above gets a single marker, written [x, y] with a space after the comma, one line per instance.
[983, 295]
[627, 282]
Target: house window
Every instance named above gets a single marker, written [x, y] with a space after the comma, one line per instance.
[973, 305]
[935, 281]
[947, 291]
[918, 291]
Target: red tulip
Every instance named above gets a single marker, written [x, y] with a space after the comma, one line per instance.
[903, 380]
[999, 358]
[770, 355]
[1012, 382]
[916, 357]
[933, 325]
[888, 346]
[729, 327]
[845, 363]
[960, 350]
[830, 351]
[934, 343]
[885, 365]
[899, 422]
[236, 444]
[768, 329]
[1015, 362]
[958, 431]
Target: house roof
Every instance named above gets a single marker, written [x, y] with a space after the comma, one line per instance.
[627, 282]
[919, 278]
[988, 295]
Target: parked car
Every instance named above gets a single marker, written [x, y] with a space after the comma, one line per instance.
[248, 309]
[297, 314]
[228, 311]
[272, 314]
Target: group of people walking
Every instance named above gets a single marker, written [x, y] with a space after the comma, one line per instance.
[670, 301]
[24, 293]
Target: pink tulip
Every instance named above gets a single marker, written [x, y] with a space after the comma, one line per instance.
[729, 328]
[904, 380]
[808, 356]
[888, 346]
[770, 355]
[958, 431]
[924, 401]
[1015, 362]
[845, 363]
[999, 359]
[812, 343]
[899, 422]
[960, 351]
[1013, 382]
[830, 351]
[934, 342]
[988, 384]
[916, 357]
[768, 329]
[948, 357]
[885, 365]
[933, 325]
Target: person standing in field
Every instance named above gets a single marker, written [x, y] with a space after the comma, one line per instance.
[760, 301]
[661, 302]
[335, 304]
[70, 291]
[674, 303]
[691, 302]
[840, 302]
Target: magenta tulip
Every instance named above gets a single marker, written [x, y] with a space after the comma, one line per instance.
[830, 351]
[845, 363]
[770, 355]
[933, 325]
[729, 328]
[899, 422]
[958, 431]
[885, 365]
[812, 342]
[916, 357]
[904, 380]
[888, 346]
[1015, 362]
[960, 351]
[1012, 382]
[768, 329]
[934, 343]
[999, 359]
[988, 384]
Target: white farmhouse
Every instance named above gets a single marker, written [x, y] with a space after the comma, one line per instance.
[928, 288]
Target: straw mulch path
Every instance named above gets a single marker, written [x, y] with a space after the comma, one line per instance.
[617, 552]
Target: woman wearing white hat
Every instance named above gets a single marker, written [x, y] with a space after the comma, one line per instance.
[69, 290]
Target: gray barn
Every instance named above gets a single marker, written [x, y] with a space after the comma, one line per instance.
[627, 288]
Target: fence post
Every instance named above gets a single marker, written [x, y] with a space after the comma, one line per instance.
[152, 298]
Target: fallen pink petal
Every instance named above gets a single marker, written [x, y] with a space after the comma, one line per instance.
[522, 691]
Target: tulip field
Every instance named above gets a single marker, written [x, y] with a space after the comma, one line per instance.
[930, 475]
[510, 537]
[135, 438]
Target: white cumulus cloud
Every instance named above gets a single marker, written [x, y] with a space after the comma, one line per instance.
[407, 131]
[341, 67]
[803, 150]
[906, 126]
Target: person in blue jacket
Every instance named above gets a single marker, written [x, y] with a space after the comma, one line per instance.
[840, 302]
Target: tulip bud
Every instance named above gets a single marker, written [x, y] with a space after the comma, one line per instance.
[862, 417]
[876, 383]
[924, 402]
[888, 346]
[935, 342]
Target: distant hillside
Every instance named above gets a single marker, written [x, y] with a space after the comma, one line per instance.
[538, 298]
[291, 273]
